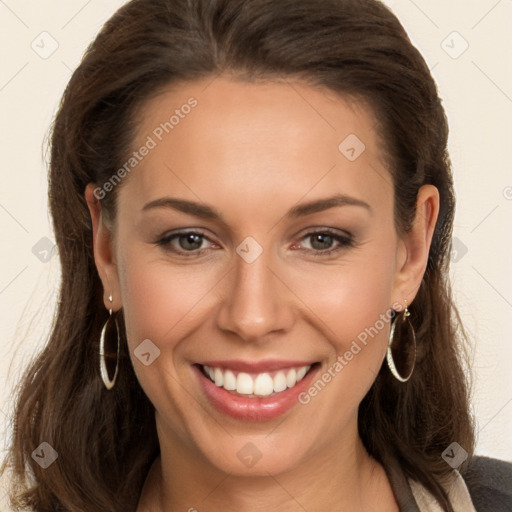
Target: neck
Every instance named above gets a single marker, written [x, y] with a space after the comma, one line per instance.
[342, 477]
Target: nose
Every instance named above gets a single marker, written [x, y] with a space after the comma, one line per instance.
[257, 304]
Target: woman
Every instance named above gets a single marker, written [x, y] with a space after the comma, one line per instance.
[253, 206]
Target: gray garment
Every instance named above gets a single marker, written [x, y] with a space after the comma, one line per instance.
[489, 482]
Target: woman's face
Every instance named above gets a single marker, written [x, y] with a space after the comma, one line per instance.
[255, 235]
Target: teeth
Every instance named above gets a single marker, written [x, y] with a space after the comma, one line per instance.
[262, 384]
[291, 378]
[244, 384]
[229, 381]
[218, 377]
[300, 373]
[280, 382]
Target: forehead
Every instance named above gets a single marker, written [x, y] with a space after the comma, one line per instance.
[221, 139]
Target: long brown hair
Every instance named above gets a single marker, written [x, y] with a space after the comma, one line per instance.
[106, 440]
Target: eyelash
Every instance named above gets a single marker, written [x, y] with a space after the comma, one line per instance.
[344, 242]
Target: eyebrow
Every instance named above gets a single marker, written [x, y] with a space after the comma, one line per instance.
[301, 210]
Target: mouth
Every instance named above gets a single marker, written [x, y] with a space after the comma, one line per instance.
[254, 391]
[254, 385]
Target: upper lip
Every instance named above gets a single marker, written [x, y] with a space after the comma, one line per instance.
[268, 365]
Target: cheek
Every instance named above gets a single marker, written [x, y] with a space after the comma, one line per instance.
[162, 303]
[350, 299]
[159, 300]
[352, 309]
[352, 305]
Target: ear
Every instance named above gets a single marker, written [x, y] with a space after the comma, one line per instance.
[104, 254]
[414, 246]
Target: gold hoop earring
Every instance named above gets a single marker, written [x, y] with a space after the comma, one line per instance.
[109, 383]
[401, 363]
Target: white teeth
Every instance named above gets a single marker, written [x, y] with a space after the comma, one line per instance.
[261, 384]
[291, 378]
[229, 381]
[301, 372]
[218, 377]
[279, 382]
[244, 384]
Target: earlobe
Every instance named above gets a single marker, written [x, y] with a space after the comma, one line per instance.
[104, 256]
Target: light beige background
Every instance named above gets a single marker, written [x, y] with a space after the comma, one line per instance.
[476, 87]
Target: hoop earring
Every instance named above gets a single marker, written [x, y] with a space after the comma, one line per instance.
[405, 349]
[109, 383]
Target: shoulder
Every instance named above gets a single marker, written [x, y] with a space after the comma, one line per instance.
[489, 482]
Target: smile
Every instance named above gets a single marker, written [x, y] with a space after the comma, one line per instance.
[256, 384]
[254, 391]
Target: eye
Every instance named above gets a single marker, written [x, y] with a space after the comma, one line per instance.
[190, 242]
[321, 242]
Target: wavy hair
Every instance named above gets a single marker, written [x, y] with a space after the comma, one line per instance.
[106, 441]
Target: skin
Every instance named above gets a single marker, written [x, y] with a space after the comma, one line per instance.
[253, 151]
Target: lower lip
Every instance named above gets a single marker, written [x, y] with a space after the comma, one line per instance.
[253, 409]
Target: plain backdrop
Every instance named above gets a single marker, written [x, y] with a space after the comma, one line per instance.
[467, 45]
